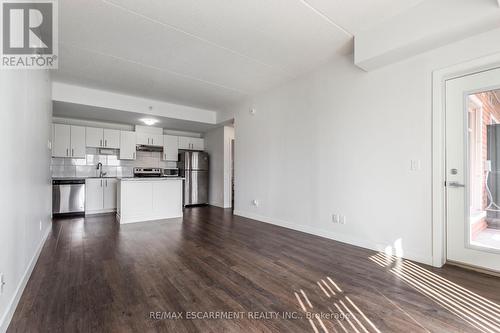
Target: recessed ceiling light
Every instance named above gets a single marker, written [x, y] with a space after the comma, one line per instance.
[149, 121]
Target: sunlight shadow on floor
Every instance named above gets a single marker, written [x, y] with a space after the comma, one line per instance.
[346, 314]
[476, 310]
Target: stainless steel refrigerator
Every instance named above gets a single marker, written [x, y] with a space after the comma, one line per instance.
[193, 166]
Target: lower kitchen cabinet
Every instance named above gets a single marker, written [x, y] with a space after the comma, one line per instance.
[109, 194]
[100, 195]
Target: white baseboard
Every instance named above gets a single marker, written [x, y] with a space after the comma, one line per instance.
[147, 218]
[216, 204]
[343, 238]
[219, 204]
[11, 307]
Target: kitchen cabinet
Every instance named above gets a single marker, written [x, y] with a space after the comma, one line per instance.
[78, 148]
[102, 138]
[94, 195]
[170, 148]
[149, 139]
[94, 137]
[100, 195]
[109, 194]
[189, 143]
[141, 200]
[111, 138]
[127, 145]
[61, 140]
[68, 141]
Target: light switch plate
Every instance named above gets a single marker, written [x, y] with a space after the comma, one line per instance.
[2, 283]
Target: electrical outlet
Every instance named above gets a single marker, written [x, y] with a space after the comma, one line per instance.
[335, 218]
[2, 283]
[255, 202]
[415, 165]
[342, 219]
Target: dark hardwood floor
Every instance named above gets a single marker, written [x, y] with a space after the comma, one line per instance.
[95, 275]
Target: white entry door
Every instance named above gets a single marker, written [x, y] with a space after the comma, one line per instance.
[472, 170]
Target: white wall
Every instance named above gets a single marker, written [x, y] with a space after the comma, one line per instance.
[214, 146]
[218, 146]
[25, 191]
[340, 140]
[228, 160]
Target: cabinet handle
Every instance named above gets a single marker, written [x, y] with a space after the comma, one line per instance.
[105, 143]
[106, 183]
[100, 143]
[134, 155]
[152, 141]
[72, 152]
[101, 182]
[67, 151]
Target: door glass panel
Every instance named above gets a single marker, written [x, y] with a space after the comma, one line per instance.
[483, 133]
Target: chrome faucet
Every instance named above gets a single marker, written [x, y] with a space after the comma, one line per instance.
[99, 167]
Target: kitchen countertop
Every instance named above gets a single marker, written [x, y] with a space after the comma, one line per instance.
[119, 178]
[76, 178]
[149, 178]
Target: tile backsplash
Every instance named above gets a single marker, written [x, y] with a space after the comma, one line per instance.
[112, 165]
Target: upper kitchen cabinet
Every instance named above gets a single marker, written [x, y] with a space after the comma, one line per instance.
[189, 143]
[170, 148]
[68, 141]
[149, 136]
[103, 138]
[127, 145]
[78, 148]
[111, 138]
[61, 137]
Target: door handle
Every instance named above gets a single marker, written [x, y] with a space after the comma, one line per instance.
[454, 184]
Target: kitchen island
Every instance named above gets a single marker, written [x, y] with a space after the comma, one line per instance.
[146, 199]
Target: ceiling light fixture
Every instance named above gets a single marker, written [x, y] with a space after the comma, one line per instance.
[149, 121]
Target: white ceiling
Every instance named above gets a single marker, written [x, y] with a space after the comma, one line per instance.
[207, 54]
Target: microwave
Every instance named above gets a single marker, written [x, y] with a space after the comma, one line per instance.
[170, 172]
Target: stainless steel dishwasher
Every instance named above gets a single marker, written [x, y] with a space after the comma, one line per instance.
[68, 196]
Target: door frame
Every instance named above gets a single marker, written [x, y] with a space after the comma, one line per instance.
[439, 78]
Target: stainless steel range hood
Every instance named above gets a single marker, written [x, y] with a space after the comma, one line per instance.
[149, 148]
